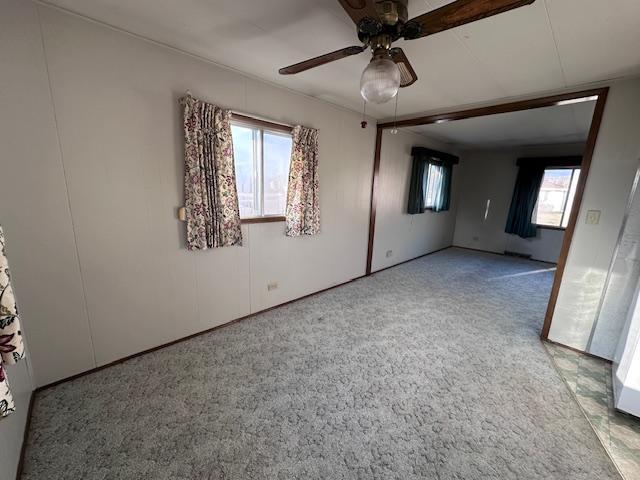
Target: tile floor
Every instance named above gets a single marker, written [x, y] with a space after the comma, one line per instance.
[590, 381]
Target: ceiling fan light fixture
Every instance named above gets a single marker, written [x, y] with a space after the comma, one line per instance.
[379, 23]
[380, 81]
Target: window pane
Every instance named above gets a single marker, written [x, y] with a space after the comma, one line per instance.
[425, 187]
[572, 195]
[277, 155]
[552, 197]
[433, 185]
[245, 153]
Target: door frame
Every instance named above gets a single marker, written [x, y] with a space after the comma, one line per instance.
[600, 96]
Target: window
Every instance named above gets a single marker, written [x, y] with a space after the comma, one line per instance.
[555, 198]
[262, 159]
[432, 185]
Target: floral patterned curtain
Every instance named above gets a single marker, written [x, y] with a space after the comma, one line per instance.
[11, 346]
[303, 208]
[211, 198]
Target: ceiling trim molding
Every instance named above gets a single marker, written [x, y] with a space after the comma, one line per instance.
[515, 106]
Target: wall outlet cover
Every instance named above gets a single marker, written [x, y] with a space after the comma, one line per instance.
[272, 286]
[389, 253]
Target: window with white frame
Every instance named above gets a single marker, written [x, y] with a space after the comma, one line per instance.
[555, 197]
[262, 157]
[432, 185]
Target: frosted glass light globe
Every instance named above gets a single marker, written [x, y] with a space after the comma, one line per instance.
[380, 81]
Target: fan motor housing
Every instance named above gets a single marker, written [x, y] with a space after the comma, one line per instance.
[392, 12]
[368, 27]
[392, 21]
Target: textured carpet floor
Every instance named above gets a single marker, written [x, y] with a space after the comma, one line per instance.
[429, 370]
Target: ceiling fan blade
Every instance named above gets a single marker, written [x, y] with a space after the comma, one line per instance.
[463, 11]
[321, 60]
[407, 73]
[359, 9]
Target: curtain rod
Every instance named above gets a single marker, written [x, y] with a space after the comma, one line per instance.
[261, 118]
[251, 115]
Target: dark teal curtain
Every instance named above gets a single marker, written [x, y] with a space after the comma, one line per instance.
[417, 186]
[443, 197]
[523, 202]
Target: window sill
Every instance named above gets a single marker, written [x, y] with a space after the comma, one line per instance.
[550, 227]
[263, 219]
[433, 210]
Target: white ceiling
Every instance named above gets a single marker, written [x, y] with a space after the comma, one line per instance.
[550, 45]
[541, 126]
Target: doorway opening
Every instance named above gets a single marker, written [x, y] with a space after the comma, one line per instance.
[572, 118]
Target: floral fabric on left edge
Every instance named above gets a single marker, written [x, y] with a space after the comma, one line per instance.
[11, 346]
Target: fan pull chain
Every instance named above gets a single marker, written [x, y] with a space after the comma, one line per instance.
[363, 123]
[394, 130]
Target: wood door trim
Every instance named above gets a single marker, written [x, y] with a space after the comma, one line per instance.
[516, 106]
[374, 194]
[596, 121]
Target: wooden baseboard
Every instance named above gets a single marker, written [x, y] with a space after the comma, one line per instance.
[411, 259]
[212, 329]
[25, 436]
[231, 322]
[209, 330]
[173, 342]
[188, 337]
[503, 255]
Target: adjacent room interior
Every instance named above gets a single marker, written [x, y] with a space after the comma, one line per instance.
[414, 257]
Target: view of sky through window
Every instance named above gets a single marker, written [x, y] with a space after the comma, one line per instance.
[262, 170]
[277, 155]
[555, 198]
[433, 184]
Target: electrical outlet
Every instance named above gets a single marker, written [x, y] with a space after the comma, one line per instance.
[475, 239]
[593, 217]
[389, 253]
[272, 286]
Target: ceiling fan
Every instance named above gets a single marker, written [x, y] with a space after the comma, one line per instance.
[381, 22]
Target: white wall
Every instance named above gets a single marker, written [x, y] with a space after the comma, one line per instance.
[33, 206]
[407, 236]
[612, 171]
[112, 187]
[490, 175]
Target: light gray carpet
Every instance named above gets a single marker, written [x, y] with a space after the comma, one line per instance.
[429, 370]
